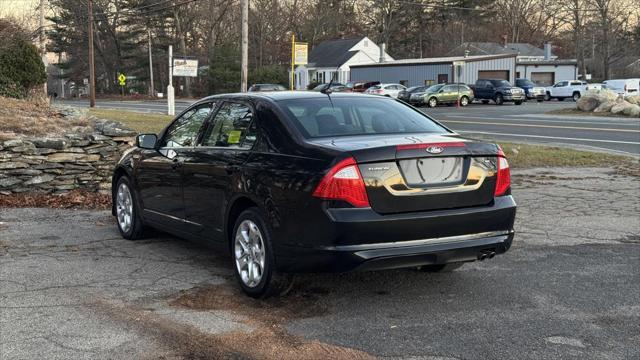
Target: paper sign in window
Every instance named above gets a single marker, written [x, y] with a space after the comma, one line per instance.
[234, 136]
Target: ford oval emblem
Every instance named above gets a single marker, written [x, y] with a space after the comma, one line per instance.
[435, 149]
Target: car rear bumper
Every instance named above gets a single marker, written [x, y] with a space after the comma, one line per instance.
[361, 239]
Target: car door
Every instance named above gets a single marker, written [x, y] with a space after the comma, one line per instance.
[560, 89]
[159, 173]
[449, 93]
[212, 169]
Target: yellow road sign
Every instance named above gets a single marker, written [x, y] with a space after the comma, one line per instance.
[122, 79]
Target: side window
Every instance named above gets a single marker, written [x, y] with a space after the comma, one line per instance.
[183, 132]
[448, 88]
[232, 127]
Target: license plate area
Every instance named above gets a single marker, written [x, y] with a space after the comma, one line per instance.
[434, 171]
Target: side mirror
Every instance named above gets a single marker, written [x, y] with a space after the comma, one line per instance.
[147, 141]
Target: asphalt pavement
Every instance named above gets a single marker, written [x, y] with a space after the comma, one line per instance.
[72, 288]
[528, 122]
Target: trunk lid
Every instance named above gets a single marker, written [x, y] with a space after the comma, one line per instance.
[421, 172]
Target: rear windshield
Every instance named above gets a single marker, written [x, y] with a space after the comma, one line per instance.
[320, 117]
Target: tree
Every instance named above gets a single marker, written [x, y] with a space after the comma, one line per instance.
[21, 67]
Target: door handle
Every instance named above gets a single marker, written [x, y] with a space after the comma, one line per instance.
[177, 163]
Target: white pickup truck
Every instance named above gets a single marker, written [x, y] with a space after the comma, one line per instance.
[568, 89]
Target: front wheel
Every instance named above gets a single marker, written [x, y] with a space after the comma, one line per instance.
[518, 102]
[464, 101]
[547, 97]
[433, 102]
[254, 259]
[127, 214]
[499, 100]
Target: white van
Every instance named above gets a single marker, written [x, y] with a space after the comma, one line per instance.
[624, 87]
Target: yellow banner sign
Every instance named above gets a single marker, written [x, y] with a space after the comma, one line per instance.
[300, 51]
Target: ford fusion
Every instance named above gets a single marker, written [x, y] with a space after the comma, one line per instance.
[292, 182]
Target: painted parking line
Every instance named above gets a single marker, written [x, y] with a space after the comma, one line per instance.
[626, 122]
[541, 126]
[552, 137]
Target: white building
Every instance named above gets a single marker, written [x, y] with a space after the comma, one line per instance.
[334, 58]
[539, 65]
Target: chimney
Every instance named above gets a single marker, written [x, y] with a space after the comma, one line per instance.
[504, 41]
[547, 50]
[382, 46]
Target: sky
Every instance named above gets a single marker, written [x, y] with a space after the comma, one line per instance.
[24, 10]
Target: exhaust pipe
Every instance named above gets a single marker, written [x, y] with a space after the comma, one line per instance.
[486, 254]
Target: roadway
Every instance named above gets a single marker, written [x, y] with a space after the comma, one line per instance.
[525, 123]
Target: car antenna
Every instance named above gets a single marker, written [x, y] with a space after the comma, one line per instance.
[327, 90]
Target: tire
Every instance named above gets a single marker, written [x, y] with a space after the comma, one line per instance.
[547, 97]
[485, 101]
[498, 99]
[518, 102]
[441, 267]
[464, 101]
[576, 96]
[251, 241]
[432, 102]
[128, 217]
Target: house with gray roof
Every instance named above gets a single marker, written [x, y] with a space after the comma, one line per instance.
[539, 65]
[332, 59]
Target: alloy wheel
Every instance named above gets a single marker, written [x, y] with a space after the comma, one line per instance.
[124, 207]
[249, 252]
[433, 102]
[464, 101]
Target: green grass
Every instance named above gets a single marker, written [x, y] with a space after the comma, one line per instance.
[528, 156]
[140, 122]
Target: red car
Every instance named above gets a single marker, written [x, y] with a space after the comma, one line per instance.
[362, 87]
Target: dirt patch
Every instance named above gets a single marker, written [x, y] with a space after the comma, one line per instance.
[269, 340]
[33, 118]
[75, 199]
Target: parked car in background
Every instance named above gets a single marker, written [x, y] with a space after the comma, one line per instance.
[363, 86]
[285, 182]
[498, 90]
[267, 87]
[405, 95]
[324, 86]
[443, 94]
[568, 89]
[531, 90]
[390, 90]
[624, 87]
[594, 86]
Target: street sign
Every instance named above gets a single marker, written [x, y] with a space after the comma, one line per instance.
[300, 50]
[183, 67]
[122, 79]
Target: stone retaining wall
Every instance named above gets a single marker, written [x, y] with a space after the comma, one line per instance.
[81, 159]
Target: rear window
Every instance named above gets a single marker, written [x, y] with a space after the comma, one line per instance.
[321, 117]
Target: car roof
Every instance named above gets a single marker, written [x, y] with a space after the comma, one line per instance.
[287, 95]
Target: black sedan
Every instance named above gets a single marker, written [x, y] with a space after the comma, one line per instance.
[405, 94]
[305, 182]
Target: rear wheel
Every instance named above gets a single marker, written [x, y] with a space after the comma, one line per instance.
[127, 211]
[547, 96]
[518, 102]
[433, 102]
[498, 99]
[441, 267]
[254, 259]
[464, 101]
[576, 96]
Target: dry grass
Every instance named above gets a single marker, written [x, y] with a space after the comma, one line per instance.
[140, 122]
[576, 112]
[25, 117]
[528, 156]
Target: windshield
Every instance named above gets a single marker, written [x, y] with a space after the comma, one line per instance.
[434, 88]
[525, 82]
[320, 117]
[500, 83]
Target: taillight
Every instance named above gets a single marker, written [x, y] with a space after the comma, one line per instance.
[504, 175]
[343, 182]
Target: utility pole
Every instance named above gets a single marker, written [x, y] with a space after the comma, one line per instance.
[151, 88]
[244, 72]
[43, 48]
[92, 68]
[171, 105]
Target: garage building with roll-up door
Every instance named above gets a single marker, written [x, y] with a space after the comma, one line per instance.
[456, 69]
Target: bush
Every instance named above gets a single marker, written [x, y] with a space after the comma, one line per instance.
[269, 74]
[21, 68]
